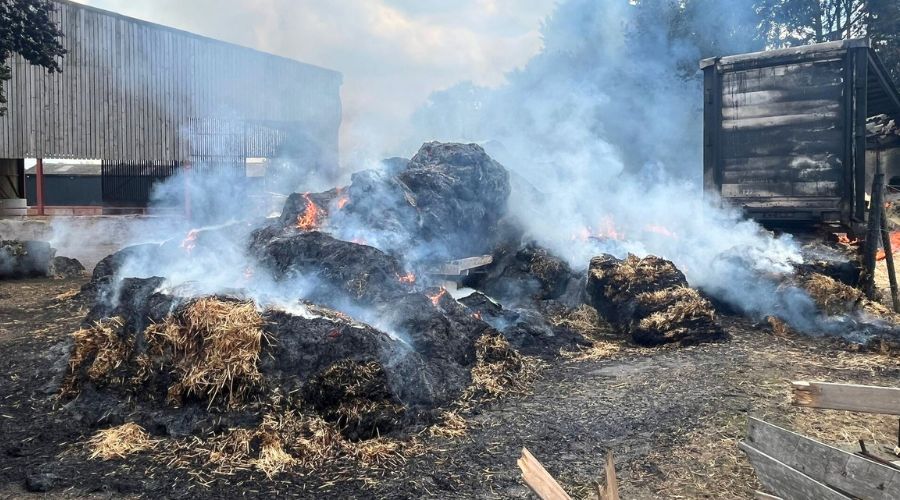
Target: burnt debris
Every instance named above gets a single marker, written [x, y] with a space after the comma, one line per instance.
[30, 259]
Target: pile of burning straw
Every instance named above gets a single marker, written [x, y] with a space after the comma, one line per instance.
[346, 333]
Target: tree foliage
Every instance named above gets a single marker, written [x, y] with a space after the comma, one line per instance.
[800, 22]
[27, 29]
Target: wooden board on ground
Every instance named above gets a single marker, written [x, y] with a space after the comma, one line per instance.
[611, 492]
[862, 398]
[459, 266]
[824, 464]
[786, 482]
[539, 480]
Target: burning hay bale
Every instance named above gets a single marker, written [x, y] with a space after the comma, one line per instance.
[307, 211]
[446, 202]
[650, 300]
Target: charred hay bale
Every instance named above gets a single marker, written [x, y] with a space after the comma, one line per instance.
[24, 258]
[138, 301]
[65, 267]
[308, 344]
[333, 269]
[531, 331]
[112, 264]
[379, 205]
[835, 298]
[530, 272]
[650, 300]
[357, 397]
[460, 194]
[103, 277]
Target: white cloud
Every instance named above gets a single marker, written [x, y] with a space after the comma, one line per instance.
[393, 53]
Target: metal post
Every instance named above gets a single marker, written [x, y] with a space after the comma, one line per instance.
[39, 185]
[187, 190]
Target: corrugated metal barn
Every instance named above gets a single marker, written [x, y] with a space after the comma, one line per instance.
[785, 130]
[146, 99]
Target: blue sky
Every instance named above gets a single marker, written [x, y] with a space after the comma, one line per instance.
[393, 53]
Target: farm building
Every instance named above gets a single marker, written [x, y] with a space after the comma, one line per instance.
[145, 100]
[785, 130]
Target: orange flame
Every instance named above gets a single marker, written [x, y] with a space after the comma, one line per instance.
[843, 239]
[895, 245]
[190, 241]
[608, 229]
[311, 216]
[406, 278]
[342, 202]
[605, 230]
[654, 228]
[477, 315]
[436, 298]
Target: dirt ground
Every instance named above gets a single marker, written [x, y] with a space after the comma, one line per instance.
[671, 416]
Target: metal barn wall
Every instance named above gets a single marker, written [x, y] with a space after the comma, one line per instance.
[133, 91]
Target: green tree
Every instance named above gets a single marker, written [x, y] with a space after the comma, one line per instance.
[800, 22]
[26, 28]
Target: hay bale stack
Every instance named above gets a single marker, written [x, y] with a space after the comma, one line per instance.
[650, 300]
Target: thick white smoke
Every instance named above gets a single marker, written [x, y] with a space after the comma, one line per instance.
[604, 130]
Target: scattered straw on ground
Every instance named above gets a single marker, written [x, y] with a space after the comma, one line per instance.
[583, 319]
[67, 295]
[120, 441]
[452, 426]
[499, 369]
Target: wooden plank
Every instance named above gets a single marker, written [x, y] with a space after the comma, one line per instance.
[822, 118]
[851, 397]
[838, 469]
[612, 483]
[779, 109]
[539, 480]
[781, 189]
[785, 77]
[830, 92]
[783, 141]
[786, 482]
